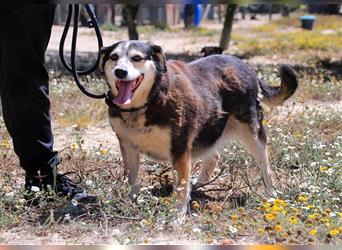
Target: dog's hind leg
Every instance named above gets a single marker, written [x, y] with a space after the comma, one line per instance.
[256, 145]
[182, 166]
[131, 160]
[209, 166]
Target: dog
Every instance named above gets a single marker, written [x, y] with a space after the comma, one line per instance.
[179, 112]
[211, 50]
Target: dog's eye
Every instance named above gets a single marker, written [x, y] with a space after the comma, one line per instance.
[114, 57]
[137, 58]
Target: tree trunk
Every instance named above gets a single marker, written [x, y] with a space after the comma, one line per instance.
[285, 11]
[270, 12]
[113, 14]
[189, 15]
[227, 27]
[131, 14]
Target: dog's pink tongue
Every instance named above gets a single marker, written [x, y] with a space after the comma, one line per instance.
[124, 93]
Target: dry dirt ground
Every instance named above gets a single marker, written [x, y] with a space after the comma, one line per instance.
[175, 41]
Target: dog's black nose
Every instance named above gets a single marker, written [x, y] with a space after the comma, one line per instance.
[120, 73]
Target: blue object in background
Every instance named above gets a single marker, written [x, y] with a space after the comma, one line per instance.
[307, 21]
[197, 14]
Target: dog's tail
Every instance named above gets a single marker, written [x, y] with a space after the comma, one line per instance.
[273, 96]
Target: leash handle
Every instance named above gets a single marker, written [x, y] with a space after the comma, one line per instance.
[73, 67]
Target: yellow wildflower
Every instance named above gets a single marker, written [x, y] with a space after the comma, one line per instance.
[5, 144]
[295, 210]
[216, 208]
[309, 221]
[313, 216]
[311, 206]
[241, 210]
[277, 209]
[73, 146]
[234, 217]
[103, 151]
[195, 205]
[293, 220]
[261, 231]
[267, 207]
[265, 122]
[165, 200]
[313, 232]
[298, 135]
[149, 221]
[327, 210]
[323, 168]
[325, 214]
[302, 198]
[325, 220]
[278, 228]
[269, 217]
[279, 202]
[334, 232]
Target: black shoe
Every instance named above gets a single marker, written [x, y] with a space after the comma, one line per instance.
[61, 185]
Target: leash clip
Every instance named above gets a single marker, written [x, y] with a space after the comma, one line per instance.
[90, 24]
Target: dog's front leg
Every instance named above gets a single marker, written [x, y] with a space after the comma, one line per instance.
[131, 160]
[182, 166]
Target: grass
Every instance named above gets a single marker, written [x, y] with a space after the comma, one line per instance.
[305, 145]
[284, 36]
[109, 27]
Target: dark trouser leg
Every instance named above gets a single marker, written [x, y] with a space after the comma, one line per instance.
[24, 36]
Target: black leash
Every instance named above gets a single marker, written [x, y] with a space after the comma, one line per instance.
[73, 68]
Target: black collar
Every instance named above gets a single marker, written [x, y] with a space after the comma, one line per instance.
[109, 101]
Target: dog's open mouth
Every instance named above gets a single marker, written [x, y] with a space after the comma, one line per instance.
[126, 90]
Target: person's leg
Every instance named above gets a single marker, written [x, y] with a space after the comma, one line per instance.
[24, 36]
[25, 33]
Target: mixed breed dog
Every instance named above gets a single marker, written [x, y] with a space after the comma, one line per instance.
[184, 112]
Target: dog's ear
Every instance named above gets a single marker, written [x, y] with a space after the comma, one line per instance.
[104, 55]
[104, 52]
[219, 50]
[159, 57]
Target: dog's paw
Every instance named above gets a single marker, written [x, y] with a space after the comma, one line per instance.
[134, 192]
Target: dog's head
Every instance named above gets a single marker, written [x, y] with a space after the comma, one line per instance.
[211, 50]
[130, 68]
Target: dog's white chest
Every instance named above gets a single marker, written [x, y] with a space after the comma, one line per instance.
[152, 140]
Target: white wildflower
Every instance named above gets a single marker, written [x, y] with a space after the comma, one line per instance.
[74, 202]
[232, 229]
[89, 183]
[10, 194]
[313, 164]
[35, 189]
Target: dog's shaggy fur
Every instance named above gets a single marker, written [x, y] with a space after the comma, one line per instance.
[180, 111]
